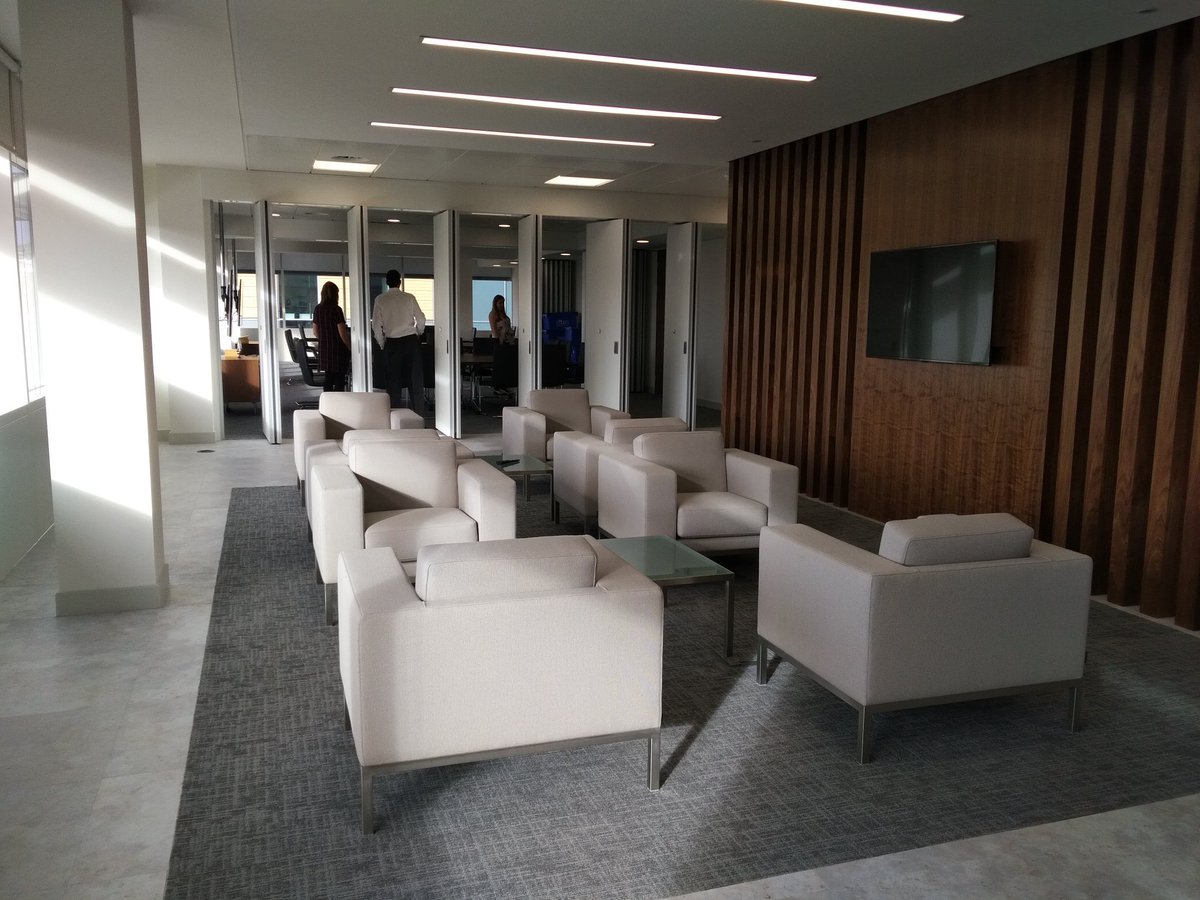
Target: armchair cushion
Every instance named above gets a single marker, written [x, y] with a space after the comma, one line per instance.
[452, 573]
[405, 474]
[948, 538]
[406, 531]
[718, 514]
[621, 432]
[565, 409]
[344, 411]
[696, 457]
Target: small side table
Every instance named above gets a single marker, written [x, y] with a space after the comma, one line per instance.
[521, 467]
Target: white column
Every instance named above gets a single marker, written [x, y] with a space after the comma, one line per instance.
[85, 165]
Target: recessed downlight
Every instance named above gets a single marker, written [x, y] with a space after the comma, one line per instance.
[348, 168]
[578, 181]
[882, 9]
[512, 134]
[559, 104]
[614, 60]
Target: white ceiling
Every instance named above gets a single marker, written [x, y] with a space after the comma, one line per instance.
[274, 84]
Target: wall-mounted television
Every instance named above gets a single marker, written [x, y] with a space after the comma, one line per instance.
[933, 303]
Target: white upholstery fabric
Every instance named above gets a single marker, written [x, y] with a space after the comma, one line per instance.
[880, 632]
[640, 496]
[383, 480]
[529, 666]
[406, 419]
[576, 457]
[621, 432]
[406, 531]
[382, 435]
[696, 457]
[528, 431]
[453, 573]
[949, 538]
[718, 514]
[338, 412]
[405, 474]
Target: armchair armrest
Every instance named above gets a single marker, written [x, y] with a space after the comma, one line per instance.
[635, 497]
[405, 418]
[489, 497]
[602, 415]
[307, 425]
[774, 484]
[337, 516]
[575, 470]
[524, 432]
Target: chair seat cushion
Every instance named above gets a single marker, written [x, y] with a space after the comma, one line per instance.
[718, 514]
[406, 531]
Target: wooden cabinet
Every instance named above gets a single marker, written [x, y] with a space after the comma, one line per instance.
[239, 380]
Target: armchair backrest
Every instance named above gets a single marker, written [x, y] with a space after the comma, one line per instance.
[565, 409]
[406, 474]
[346, 410]
[384, 435]
[696, 457]
[949, 539]
[448, 573]
[621, 432]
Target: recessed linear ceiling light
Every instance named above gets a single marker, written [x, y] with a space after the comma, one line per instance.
[558, 104]
[504, 225]
[513, 134]
[615, 60]
[642, 241]
[578, 181]
[394, 221]
[882, 9]
[332, 165]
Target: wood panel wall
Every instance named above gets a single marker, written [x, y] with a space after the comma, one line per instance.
[790, 338]
[1122, 466]
[1087, 425]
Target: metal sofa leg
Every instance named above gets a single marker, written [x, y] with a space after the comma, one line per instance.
[763, 659]
[866, 735]
[368, 807]
[330, 604]
[1075, 704]
[654, 767]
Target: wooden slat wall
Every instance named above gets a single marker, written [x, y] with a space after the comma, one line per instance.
[795, 221]
[1122, 458]
[1088, 423]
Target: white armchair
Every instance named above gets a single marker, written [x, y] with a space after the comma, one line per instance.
[556, 643]
[577, 460]
[340, 411]
[952, 608]
[337, 452]
[688, 486]
[528, 430]
[405, 495]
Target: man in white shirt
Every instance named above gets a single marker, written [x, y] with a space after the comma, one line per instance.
[398, 324]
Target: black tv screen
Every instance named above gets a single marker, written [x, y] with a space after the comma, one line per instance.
[933, 303]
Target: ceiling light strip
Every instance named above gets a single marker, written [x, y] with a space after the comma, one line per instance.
[881, 9]
[559, 104]
[615, 60]
[513, 134]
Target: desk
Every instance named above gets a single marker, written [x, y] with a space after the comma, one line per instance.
[471, 363]
[239, 379]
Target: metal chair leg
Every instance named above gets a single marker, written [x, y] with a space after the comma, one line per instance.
[654, 771]
[1075, 704]
[368, 810]
[763, 659]
[866, 735]
[331, 604]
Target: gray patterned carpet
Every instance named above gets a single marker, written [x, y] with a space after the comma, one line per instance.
[758, 781]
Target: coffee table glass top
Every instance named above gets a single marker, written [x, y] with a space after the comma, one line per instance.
[520, 465]
[665, 560]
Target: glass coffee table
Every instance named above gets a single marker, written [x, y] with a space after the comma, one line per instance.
[668, 563]
[521, 467]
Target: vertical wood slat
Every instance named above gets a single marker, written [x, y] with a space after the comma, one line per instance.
[789, 262]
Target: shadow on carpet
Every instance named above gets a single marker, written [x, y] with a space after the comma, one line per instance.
[758, 781]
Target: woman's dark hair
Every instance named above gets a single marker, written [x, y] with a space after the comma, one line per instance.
[497, 302]
[329, 292]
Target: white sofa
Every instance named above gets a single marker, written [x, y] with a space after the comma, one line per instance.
[951, 608]
[688, 486]
[405, 495]
[577, 460]
[552, 641]
[340, 411]
[529, 430]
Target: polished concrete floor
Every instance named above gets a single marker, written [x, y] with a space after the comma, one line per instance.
[96, 713]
